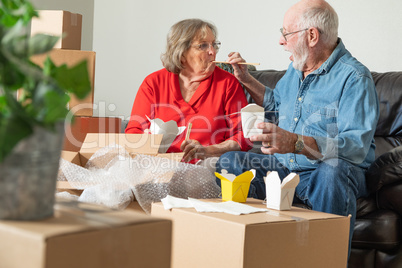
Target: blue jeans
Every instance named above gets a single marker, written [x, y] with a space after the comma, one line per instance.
[333, 187]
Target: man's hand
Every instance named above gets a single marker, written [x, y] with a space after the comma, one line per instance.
[252, 85]
[239, 71]
[275, 139]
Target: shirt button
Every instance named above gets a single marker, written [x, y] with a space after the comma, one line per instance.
[291, 160]
[296, 119]
[300, 99]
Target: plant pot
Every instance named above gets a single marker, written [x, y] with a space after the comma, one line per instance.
[28, 176]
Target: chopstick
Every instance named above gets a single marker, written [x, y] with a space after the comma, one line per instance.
[188, 131]
[247, 63]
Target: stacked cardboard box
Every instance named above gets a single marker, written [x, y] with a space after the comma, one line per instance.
[59, 23]
[68, 51]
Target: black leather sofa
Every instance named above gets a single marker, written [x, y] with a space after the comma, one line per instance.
[377, 234]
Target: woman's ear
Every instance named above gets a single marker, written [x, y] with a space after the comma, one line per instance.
[183, 59]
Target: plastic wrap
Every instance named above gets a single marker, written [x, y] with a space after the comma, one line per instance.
[112, 178]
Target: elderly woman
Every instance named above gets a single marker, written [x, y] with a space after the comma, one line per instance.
[191, 89]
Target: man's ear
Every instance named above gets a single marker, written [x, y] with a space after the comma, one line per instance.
[313, 36]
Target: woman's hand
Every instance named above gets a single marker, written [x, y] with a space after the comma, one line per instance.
[192, 149]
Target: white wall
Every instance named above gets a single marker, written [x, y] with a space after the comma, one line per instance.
[130, 35]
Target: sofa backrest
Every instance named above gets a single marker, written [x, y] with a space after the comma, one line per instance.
[388, 133]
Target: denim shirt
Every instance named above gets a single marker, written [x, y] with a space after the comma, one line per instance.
[337, 104]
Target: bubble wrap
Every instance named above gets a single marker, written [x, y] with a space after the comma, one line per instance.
[113, 178]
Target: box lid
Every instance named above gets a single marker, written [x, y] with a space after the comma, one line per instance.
[272, 216]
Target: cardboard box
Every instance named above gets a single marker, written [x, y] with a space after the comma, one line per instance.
[66, 25]
[295, 238]
[132, 143]
[76, 132]
[78, 107]
[87, 236]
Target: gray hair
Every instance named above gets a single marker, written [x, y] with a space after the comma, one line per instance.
[179, 41]
[325, 19]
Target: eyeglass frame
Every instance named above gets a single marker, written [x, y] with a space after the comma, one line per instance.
[215, 45]
[286, 34]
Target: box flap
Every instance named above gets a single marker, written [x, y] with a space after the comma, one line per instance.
[72, 157]
[132, 143]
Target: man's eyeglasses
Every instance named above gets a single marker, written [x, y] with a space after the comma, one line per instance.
[286, 34]
[205, 46]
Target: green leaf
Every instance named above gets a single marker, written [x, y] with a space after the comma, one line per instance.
[55, 107]
[41, 43]
[15, 41]
[74, 80]
[19, 128]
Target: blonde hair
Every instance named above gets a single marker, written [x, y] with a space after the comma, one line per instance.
[179, 41]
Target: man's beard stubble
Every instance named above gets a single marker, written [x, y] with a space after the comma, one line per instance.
[300, 54]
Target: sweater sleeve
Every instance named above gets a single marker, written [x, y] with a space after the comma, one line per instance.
[141, 108]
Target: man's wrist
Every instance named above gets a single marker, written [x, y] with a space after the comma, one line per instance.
[299, 144]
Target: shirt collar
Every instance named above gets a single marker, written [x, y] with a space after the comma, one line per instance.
[338, 52]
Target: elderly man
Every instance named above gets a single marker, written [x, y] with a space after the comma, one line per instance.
[327, 110]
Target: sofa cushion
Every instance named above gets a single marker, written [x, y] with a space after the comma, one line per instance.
[389, 128]
[386, 169]
[369, 231]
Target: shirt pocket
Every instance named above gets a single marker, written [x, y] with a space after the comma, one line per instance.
[320, 121]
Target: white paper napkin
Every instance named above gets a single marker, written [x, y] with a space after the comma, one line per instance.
[170, 202]
[229, 207]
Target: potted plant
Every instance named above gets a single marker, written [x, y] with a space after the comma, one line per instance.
[33, 107]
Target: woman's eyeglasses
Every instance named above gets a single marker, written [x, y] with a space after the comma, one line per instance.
[205, 46]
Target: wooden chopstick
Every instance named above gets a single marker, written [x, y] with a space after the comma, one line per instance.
[188, 131]
[247, 63]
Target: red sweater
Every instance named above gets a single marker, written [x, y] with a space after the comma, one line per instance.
[210, 109]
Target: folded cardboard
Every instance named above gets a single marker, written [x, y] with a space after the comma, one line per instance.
[66, 25]
[280, 194]
[295, 238]
[76, 132]
[133, 143]
[87, 236]
[69, 57]
[235, 188]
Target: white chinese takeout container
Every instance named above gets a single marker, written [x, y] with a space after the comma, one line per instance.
[280, 194]
[251, 115]
[168, 129]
